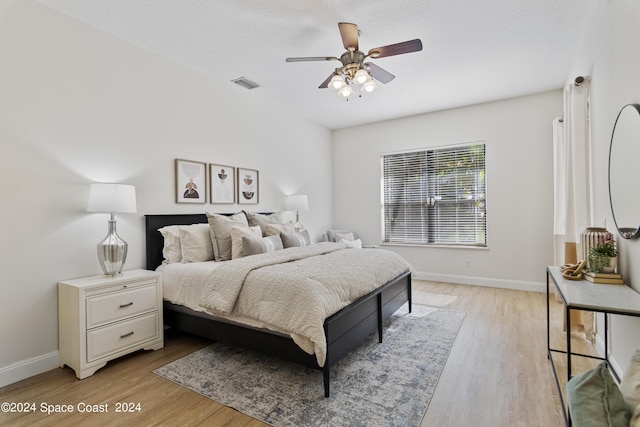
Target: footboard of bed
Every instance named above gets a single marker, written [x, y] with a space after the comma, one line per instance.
[346, 329]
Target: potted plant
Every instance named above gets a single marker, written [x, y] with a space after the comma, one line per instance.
[603, 256]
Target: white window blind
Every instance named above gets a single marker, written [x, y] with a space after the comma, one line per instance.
[435, 196]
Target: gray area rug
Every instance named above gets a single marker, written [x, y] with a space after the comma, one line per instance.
[388, 384]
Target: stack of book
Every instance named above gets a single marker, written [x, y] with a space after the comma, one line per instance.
[605, 278]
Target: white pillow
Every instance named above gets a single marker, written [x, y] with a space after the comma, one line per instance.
[196, 243]
[237, 233]
[172, 249]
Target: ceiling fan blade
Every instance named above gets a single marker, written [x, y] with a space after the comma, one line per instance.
[349, 34]
[312, 58]
[396, 49]
[325, 84]
[378, 73]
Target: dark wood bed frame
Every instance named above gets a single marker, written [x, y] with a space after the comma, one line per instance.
[344, 330]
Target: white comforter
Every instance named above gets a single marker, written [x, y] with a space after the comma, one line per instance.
[296, 289]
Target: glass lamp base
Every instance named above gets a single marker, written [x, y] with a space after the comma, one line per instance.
[112, 252]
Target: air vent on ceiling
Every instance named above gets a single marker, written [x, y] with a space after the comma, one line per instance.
[245, 83]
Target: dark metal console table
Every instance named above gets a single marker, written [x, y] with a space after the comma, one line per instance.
[587, 296]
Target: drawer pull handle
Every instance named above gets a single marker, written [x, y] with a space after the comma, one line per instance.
[126, 335]
[126, 305]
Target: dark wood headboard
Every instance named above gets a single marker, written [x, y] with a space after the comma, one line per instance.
[155, 241]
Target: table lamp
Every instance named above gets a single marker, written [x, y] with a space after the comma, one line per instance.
[297, 202]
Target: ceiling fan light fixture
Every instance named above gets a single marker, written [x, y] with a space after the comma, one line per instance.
[345, 91]
[336, 82]
[369, 86]
[354, 70]
[361, 76]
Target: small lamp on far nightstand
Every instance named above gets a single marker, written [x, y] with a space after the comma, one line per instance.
[112, 199]
[297, 202]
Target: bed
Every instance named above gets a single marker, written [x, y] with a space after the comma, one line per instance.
[343, 331]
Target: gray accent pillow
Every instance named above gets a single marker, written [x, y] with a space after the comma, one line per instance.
[263, 220]
[291, 240]
[331, 234]
[275, 229]
[345, 236]
[220, 227]
[254, 246]
[237, 233]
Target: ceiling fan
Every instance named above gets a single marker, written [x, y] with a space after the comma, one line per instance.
[354, 69]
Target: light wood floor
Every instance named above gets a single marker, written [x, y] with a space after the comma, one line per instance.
[497, 373]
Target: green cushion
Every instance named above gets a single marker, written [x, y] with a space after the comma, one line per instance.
[595, 400]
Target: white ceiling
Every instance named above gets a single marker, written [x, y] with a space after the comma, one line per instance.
[473, 51]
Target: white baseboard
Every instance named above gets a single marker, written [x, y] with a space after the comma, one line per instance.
[520, 285]
[27, 368]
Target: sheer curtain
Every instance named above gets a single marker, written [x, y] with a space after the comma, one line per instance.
[573, 188]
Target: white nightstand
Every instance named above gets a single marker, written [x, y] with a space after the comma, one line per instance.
[102, 318]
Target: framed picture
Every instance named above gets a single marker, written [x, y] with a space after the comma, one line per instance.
[222, 183]
[191, 181]
[248, 188]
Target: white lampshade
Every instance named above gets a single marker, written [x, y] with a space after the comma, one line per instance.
[112, 198]
[369, 86]
[361, 76]
[336, 82]
[345, 91]
[297, 202]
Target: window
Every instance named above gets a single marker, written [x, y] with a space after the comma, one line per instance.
[435, 196]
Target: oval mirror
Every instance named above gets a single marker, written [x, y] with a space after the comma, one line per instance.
[624, 182]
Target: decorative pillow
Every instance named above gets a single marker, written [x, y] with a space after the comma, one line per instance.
[196, 243]
[172, 249]
[262, 220]
[345, 236]
[237, 233]
[595, 399]
[331, 235]
[630, 388]
[274, 229]
[290, 240]
[255, 245]
[220, 226]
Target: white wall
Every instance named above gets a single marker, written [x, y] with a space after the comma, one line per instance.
[611, 56]
[78, 106]
[518, 136]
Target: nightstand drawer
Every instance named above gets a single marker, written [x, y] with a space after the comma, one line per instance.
[119, 336]
[115, 306]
